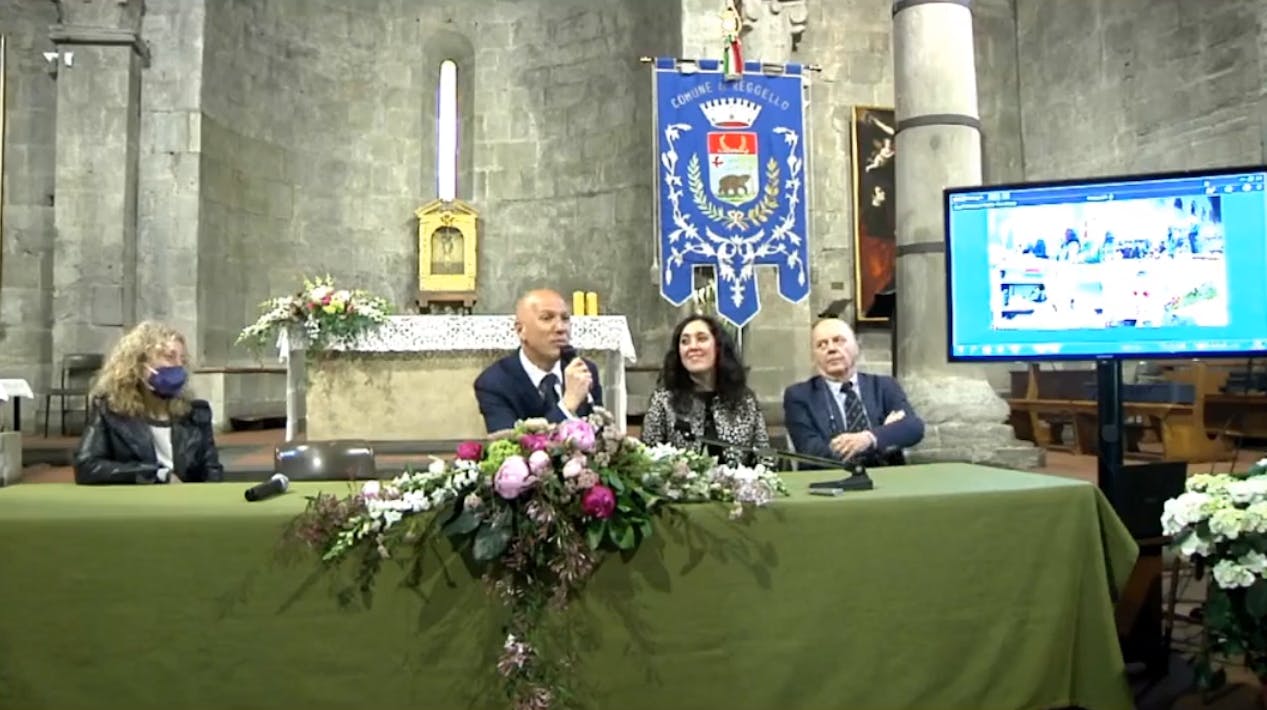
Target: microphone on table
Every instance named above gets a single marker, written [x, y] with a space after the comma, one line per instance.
[274, 486]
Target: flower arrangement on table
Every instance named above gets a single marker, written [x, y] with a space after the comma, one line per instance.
[1220, 523]
[538, 507]
[323, 312]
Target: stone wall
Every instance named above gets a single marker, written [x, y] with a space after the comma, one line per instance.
[563, 157]
[168, 214]
[318, 143]
[1118, 86]
[1110, 87]
[851, 41]
[26, 279]
[311, 127]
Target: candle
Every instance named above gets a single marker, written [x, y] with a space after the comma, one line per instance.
[591, 304]
[578, 303]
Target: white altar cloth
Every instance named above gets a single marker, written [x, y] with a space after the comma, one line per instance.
[485, 333]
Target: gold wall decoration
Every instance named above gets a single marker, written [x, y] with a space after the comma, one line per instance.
[448, 238]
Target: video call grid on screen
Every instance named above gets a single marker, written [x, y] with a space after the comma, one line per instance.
[1148, 266]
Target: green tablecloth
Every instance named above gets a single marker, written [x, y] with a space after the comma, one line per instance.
[949, 586]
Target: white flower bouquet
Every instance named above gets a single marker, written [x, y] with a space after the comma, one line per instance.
[326, 314]
[1219, 523]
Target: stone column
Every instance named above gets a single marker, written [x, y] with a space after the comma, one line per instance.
[98, 73]
[939, 145]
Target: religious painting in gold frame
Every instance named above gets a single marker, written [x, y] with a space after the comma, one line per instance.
[875, 217]
[448, 235]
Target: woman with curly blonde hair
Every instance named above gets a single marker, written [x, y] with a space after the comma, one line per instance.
[145, 426]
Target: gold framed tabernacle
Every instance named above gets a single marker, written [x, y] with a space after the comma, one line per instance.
[448, 248]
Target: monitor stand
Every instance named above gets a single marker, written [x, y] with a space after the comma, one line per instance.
[1142, 639]
[1110, 434]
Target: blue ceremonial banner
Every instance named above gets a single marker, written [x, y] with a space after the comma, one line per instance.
[731, 182]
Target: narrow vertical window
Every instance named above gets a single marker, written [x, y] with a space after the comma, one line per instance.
[447, 131]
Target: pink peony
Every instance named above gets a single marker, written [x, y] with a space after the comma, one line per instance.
[534, 442]
[512, 478]
[599, 502]
[574, 467]
[539, 462]
[470, 451]
[578, 432]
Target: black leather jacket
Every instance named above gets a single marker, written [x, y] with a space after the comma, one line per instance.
[120, 449]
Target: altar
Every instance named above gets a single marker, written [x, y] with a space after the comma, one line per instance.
[412, 378]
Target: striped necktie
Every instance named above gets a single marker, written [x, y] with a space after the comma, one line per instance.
[855, 414]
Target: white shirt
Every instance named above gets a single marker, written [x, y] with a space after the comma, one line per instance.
[536, 374]
[162, 436]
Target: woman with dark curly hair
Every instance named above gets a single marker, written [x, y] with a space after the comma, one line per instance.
[703, 395]
[145, 426]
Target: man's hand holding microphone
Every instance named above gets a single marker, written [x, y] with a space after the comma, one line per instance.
[577, 380]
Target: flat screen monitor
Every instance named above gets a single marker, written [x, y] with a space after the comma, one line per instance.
[1140, 267]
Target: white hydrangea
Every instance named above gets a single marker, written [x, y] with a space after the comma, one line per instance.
[1195, 545]
[1209, 483]
[1255, 562]
[1226, 524]
[1184, 510]
[1250, 490]
[1230, 574]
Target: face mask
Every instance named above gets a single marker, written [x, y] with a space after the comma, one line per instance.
[167, 381]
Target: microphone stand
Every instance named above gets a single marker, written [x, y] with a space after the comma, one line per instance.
[857, 480]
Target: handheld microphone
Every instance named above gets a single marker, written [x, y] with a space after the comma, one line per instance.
[274, 486]
[567, 354]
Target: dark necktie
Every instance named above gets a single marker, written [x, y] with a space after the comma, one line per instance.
[548, 391]
[855, 413]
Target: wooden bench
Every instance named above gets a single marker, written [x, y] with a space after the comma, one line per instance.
[1050, 402]
[1232, 393]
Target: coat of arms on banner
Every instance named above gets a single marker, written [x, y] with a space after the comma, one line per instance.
[731, 182]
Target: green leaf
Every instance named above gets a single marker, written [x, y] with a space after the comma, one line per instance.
[644, 527]
[1218, 609]
[465, 522]
[1256, 599]
[614, 482]
[622, 536]
[594, 534]
[491, 541]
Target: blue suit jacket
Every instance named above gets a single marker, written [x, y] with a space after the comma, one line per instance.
[805, 414]
[506, 395]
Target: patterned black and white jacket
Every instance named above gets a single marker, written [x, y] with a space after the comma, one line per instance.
[741, 426]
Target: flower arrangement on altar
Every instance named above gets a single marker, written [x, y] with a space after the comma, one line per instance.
[323, 312]
[537, 508]
[1219, 524]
